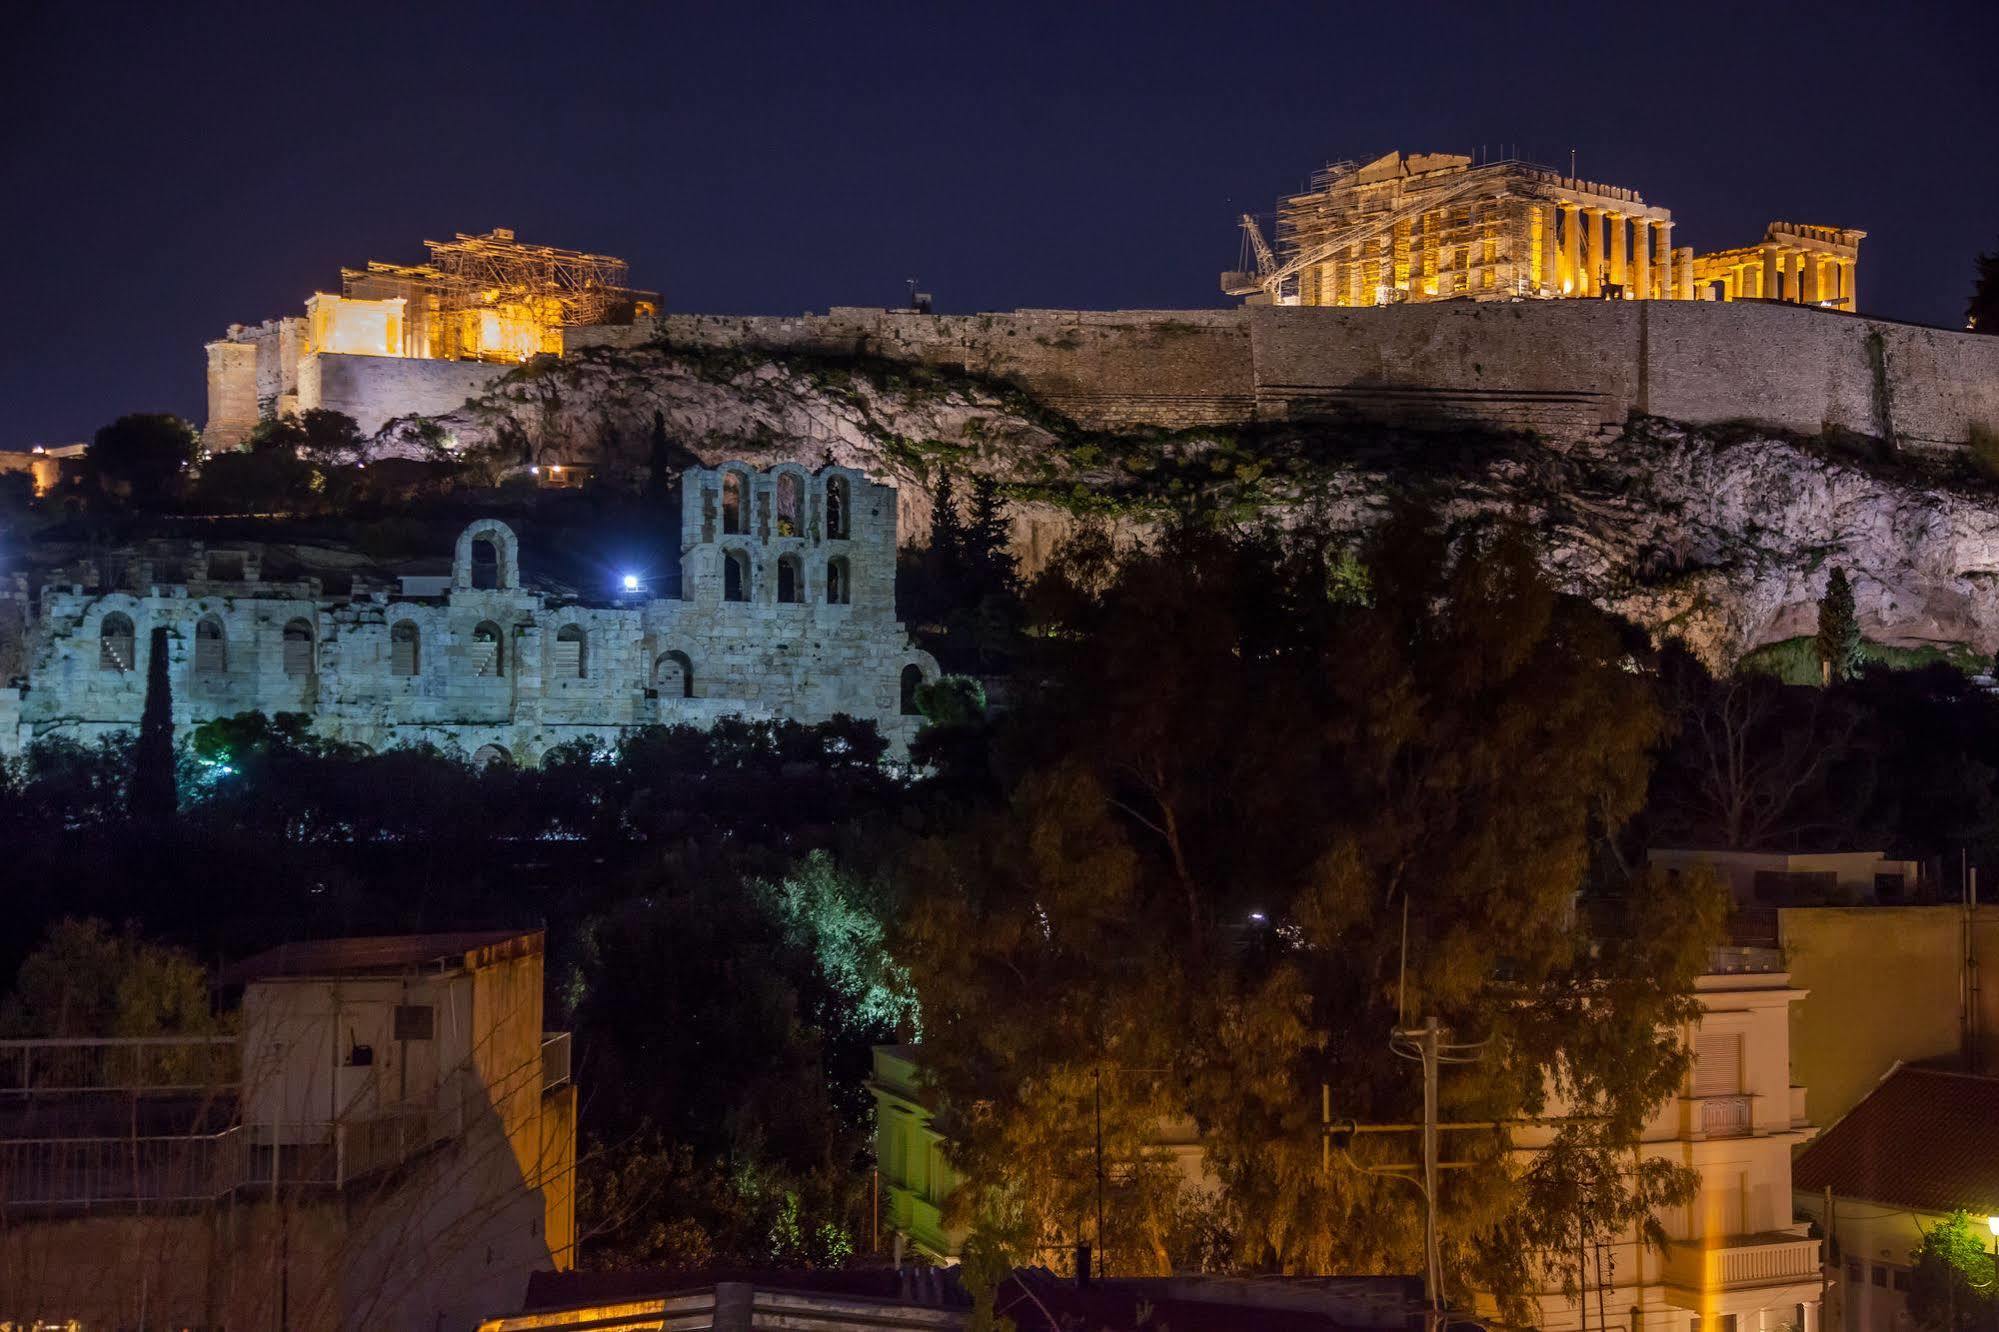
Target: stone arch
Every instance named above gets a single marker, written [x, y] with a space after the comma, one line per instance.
[117, 643]
[839, 582]
[489, 649]
[299, 641]
[572, 653]
[211, 646]
[790, 579]
[735, 502]
[485, 756]
[468, 564]
[911, 680]
[839, 507]
[673, 675]
[405, 648]
[790, 503]
[735, 575]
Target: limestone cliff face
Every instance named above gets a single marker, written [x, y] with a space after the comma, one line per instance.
[1723, 540]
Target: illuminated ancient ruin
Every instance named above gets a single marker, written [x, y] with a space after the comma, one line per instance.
[1436, 226]
[483, 302]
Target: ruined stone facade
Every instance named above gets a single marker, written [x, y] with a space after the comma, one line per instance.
[1436, 226]
[786, 609]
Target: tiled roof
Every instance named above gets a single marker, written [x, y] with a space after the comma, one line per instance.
[1925, 1139]
[382, 953]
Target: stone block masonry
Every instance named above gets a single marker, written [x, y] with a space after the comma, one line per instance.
[1561, 368]
[786, 610]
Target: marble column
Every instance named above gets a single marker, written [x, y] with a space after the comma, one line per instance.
[1849, 284]
[1664, 250]
[1618, 223]
[1592, 252]
[1772, 289]
[1572, 282]
[1684, 290]
[1641, 258]
[1811, 283]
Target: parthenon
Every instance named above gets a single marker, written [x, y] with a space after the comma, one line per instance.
[1428, 227]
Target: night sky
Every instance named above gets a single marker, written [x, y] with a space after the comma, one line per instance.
[175, 168]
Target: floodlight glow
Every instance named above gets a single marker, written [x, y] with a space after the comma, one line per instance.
[631, 582]
[1992, 1224]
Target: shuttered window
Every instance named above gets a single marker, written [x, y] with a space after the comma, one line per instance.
[402, 656]
[298, 648]
[568, 659]
[1718, 1064]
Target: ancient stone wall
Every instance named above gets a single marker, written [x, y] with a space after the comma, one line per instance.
[808, 630]
[1558, 367]
[376, 389]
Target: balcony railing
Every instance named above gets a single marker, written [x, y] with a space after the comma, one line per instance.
[151, 1064]
[1706, 1268]
[554, 1059]
[1727, 1116]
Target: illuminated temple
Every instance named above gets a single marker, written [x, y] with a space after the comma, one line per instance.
[480, 304]
[1436, 226]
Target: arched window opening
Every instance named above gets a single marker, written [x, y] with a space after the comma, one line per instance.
[790, 579]
[485, 562]
[486, 756]
[735, 503]
[571, 653]
[488, 650]
[298, 648]
[839, 591]
[211, 649]
[836, 508]
[912, 680]
[790, 505]
[735, 576]
[114, 643]
[673, 675]
[405, 649]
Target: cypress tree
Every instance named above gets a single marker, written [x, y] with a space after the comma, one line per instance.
[1839, 630]
[660, 461]
[153, 791]
[988, 549]
[947, 529]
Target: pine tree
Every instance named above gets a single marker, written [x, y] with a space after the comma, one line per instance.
[947, 529]
[659, 461]
[153, 791]
[989, 556]
[1839, 630]
[1981, 314]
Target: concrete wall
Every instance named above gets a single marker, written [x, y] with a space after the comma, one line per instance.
[376, 389]
[1559, 367]
[1886, 984]
[759, 658]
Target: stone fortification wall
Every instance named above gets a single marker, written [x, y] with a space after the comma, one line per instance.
[374, 390]
[804, 629]
[1558, 367]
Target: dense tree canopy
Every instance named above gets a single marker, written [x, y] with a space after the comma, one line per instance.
[1250, 766]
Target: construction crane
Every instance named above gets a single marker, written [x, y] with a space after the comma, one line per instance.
[1256, 250]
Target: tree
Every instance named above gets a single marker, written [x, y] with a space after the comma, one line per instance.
[1239, 779]
[153, 788]
[1981, 313]
[1839, 630]
[85, 981]
[1951, 1283]
[143, 455]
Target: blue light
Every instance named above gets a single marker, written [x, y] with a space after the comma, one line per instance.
[631, 582]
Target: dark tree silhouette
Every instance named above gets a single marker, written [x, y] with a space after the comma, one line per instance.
[143, 454]
[1839, 629]
[153, 791]
[1981, 313]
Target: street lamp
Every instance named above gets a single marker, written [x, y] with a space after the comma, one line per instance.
[1992, 1224]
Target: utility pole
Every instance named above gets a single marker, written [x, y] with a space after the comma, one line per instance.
[1102, 1266]
[1432, 1258]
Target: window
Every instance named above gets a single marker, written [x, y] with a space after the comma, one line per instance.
[790, 505]
[211, 650]
[790, 579]
[838, 592]
[486, 756]
[1900, 1277]
[836, 508]
[415, 1022]
[298, 648]
[485, 562]
[489, 653]
[1880, 1275]
[912, 680]
[114, 643]
[1854, 1270]
[1718, 1064]
[673, 675]
[735, 576]
[571, 649]
[405, 649]
[735, 503]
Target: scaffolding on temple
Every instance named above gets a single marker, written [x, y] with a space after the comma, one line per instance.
[490, 297]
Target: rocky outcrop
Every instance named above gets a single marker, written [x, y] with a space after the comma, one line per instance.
[1720, 537]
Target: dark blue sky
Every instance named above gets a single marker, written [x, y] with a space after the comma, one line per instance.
[173, 168]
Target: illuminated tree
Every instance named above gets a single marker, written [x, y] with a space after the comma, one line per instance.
[1838, 639]
[1951, 1286]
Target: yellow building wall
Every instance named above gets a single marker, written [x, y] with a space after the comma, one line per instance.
[1886, 984]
